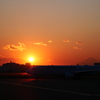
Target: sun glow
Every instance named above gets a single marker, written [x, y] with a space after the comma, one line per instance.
[30, 59]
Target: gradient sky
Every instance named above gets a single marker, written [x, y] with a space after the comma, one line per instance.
[52, 31]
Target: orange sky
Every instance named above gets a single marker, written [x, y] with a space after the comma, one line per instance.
[52, 31]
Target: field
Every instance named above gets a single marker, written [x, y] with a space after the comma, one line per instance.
[22, 87]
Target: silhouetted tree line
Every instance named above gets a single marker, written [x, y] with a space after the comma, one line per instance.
[14, 67]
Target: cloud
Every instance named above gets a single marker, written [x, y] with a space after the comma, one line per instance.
[49, 60]
[4, 59]
[50, 41]
[40, 43]
[78, 42]
[77, 48]
[13, 47]
[1, 56]
[65, 40]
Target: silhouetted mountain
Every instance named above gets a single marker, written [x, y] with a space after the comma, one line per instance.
[89, 61]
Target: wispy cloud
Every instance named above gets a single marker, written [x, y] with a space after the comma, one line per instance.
[40, 43]
[50, 41]
[1, 57]
[65, 40]
[77, 48]
[13, 47]
[4, 59]
[78, 42]
[49, 60]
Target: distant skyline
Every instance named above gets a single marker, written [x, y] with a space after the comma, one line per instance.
[53, 32]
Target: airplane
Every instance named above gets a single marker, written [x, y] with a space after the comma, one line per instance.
[63, 71]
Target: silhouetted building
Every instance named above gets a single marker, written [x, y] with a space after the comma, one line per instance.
[96, 64]
[14, 67]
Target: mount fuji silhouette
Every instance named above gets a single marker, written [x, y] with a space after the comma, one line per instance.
[89, 61]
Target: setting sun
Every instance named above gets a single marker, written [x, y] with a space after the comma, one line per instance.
[49, 33]
[30, 59]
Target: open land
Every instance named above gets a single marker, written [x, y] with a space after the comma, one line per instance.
[15, 88]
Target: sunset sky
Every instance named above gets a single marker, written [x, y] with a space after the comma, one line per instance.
[53, 32]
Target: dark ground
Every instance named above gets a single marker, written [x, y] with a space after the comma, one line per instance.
[49, 89]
